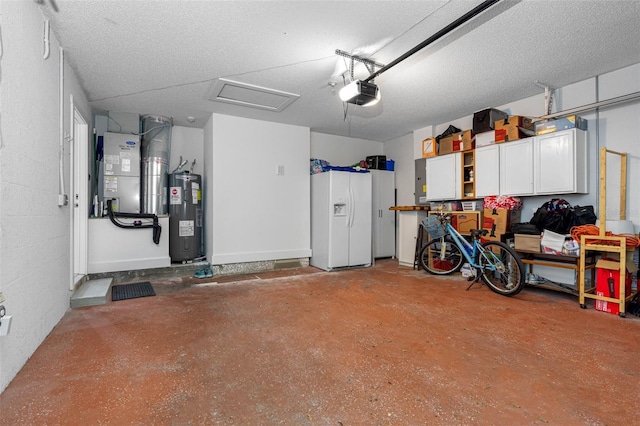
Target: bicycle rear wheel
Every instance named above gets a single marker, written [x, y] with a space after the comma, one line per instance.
[441, 256]
[502, 270]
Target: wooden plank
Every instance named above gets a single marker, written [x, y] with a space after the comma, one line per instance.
[408, 208]
[623, 186]
[603, 191]
[612, 151]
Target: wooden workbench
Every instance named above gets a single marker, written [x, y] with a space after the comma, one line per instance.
[533, 258]
[409, 208]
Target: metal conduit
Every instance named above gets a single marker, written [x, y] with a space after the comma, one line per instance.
[617, 100]
[452, 26]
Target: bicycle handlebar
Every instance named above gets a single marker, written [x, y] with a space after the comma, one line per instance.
[444, 217]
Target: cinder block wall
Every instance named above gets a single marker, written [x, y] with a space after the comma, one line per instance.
[34, 231]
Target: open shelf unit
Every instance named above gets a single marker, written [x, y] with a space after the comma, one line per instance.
[604, 243]
[468, 174]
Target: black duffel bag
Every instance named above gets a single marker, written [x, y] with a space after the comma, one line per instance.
[524, 228]
[582, 215]
[554, 215]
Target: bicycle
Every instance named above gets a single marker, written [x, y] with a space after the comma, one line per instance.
[497, 264]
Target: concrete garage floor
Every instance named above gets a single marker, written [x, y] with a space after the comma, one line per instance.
[374, 346]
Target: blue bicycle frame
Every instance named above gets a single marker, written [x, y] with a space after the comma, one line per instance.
[470, 251]
[493, 262]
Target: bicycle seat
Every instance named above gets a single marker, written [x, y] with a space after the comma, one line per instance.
[475, 233]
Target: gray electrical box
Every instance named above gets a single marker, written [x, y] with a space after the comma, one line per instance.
[121, 171]
[421, 182]
[121, 154]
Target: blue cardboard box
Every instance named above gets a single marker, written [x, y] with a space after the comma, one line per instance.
[564, 123]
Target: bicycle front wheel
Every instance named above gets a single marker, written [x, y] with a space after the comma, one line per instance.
[441, 256]
[502, 270]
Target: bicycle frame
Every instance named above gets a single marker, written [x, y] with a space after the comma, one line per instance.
[493, 263]
[470, 251]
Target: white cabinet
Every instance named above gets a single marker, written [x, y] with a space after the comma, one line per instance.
[487, 171]
[560, 162]
[516, 167]
[555, 163]
[409, 221]
[384, 229]
[444, 177]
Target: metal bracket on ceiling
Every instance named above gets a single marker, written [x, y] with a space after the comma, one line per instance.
[548, 96]
[354, 58]
[54, 6]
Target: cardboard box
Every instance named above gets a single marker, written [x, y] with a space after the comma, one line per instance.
[485, 138]
[498, 221]
[608, 283]
[526, 242]
[484, 120]
[464, 222]
[461, 141]
[429, 147]
[570, 122]
[463, 145]
[510, 129]
[489, 237]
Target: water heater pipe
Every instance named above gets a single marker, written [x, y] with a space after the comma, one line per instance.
[137, 224]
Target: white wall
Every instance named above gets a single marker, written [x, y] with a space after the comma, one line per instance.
[401, 151]
[619, 130]
[341, 150]
[252, 213]
[615, 127]
[34, 232]
[207, 186]
[112, 249]
[188, 143]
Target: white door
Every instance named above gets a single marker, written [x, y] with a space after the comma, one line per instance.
[79, 194]
[383, 218]
[360, 248]
[487, 171]
[560, 163]
[409, 223]
[516, 167]
[443, 177]
[339, 219]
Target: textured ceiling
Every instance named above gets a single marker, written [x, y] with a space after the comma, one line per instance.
[162, 57]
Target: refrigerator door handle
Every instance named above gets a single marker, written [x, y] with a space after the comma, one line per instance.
[351, 208]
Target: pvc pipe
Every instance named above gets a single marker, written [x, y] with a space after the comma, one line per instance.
[47, 43]
[61, 148]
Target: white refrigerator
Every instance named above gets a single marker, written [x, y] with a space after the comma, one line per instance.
[341, 211]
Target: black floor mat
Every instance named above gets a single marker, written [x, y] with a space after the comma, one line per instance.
[131, 291]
